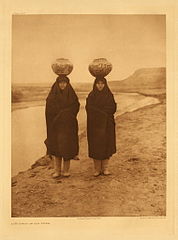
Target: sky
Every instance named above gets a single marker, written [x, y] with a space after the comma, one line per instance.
[129, 42]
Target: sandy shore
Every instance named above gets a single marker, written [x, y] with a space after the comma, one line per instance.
[137, 186]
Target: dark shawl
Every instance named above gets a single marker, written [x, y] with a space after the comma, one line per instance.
[61, 111]
[100, 107]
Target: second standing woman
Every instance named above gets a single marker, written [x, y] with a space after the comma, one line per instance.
[100, 107]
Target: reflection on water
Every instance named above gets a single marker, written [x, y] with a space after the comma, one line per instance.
[29, 128]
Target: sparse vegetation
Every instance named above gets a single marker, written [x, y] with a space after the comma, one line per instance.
[16, 95]
[29, 93]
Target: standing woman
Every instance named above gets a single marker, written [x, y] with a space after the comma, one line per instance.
[100, 108]
[62, 106]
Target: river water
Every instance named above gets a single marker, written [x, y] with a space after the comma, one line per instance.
[29, 127]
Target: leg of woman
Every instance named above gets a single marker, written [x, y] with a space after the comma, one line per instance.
[66, 166]
[57, 166]
[97, 165]
[105, 167]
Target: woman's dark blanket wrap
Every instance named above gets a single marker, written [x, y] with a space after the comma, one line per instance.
[61, 111]
[100, 107]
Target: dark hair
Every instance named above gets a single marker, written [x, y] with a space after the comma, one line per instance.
[62, 78]
[100, 79]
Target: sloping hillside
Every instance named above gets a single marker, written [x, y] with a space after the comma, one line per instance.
[144, 78]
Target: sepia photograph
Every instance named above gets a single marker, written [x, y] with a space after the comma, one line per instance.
[88, 115]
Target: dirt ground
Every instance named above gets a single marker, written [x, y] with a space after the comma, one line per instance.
[137, 186]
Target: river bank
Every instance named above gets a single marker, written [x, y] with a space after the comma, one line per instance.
[31, 139]
[137, 186]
